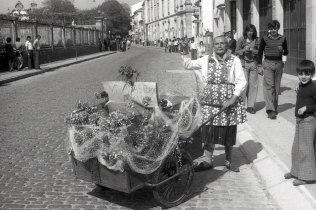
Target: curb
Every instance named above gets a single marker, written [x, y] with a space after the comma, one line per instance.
[271, 170]
[26, 75]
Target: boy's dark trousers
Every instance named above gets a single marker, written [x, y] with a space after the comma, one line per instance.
[36, 59]
[30, 61]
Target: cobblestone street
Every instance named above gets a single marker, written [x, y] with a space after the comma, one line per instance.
[35, 169]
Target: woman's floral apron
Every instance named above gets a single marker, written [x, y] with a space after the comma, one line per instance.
[216, 92]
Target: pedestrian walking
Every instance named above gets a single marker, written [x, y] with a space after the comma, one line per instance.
[169, 45]
[225, 83]
[166, 44]
[274, 46]
[303, 149]
[201, 49]
[29, 51]
[10, 54]
[247, 50]
[100, 45]
[231, 42]
[128, 43]
[185, 46]
[19, 53]
[193, 49]
[105, 42]
[176, 45]
[36, 50]
[172, 45]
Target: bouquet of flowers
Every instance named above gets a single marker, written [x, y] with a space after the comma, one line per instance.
[128, 74]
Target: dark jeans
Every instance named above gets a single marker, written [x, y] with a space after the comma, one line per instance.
[30, 60]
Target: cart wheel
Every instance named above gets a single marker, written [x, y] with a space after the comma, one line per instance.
[173, 192]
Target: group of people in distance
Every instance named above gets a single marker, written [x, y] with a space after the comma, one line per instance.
[232, 78]
[14, 52]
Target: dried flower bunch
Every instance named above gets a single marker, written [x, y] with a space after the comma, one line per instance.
[128, 74]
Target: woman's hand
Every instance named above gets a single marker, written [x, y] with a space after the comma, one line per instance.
[230, 102]
[301, 110]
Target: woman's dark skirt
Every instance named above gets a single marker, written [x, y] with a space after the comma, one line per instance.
[224, 135]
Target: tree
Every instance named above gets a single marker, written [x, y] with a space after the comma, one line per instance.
[55, 11]
[118, 16]
[59, 6]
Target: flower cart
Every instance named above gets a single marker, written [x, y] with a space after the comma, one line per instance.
[133, 139]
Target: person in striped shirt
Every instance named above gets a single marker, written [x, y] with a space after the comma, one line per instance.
[274, 46]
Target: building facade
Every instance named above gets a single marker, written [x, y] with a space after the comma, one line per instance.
[137, 22]
[297, 19]
[168, 19]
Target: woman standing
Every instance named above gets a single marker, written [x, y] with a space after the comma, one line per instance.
[185, 46]
[225, 83]
[247, 50]
[201, 49]
[9, 50]
[193, 49]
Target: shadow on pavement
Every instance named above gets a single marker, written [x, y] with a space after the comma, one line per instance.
[282, 89]
[253, 148]
[140, 199]
[259, 105]
[202, 179]
[284, 107]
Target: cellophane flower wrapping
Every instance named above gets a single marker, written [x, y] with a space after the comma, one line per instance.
[133, 136]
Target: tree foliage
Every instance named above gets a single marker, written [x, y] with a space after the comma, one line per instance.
[63, 11]
[59, 6]
[117, 16]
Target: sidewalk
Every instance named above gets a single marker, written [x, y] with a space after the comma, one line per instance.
[267, 145]
[6, 77]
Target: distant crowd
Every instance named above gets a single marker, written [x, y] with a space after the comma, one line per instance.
[115, 44]
[185, 45]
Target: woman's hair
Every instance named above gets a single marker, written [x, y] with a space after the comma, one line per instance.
[306, 66]
[8, 39]
[28, 37]
[274, 24]
[201, 42]
[248, 28]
